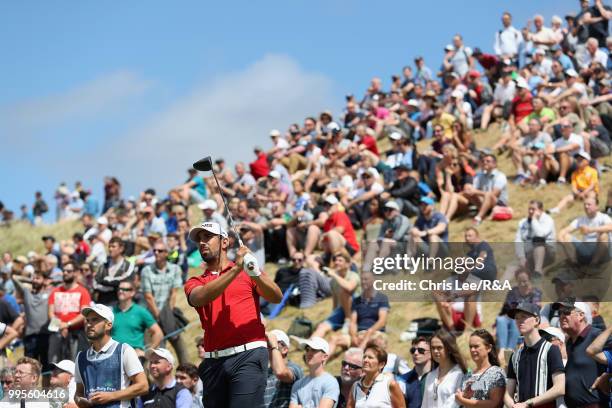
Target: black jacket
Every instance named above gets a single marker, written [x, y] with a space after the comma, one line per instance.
[407, 189]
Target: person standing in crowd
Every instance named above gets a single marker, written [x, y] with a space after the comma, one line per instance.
[36, 307]
[166, 391]
[65, 304]
[109, 274]
[282, 373]
[444, 380]
[39, 208]
[318, 388]
[375, 389]
[535, 239]
[226, 298]
[581, 370]
[351, 369]
[160, 283]
[535, 373]
[415, 378]
[132, 321]
[505, 327]
[62, 376]
[187, 374]
[109, 373]
[508, 40]
[487, 382]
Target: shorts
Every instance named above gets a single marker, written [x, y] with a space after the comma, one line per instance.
[336, 319]
[459, 317]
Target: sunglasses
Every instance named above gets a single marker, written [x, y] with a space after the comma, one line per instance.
[297, 259]
[350, 365]
[566, 311]
[420, 350]
[125, 289]
[159, 251]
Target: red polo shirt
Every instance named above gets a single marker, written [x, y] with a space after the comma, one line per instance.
[340, 219]
[233, 318]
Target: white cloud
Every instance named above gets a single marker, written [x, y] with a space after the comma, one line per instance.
[224, 118]
[101, 96]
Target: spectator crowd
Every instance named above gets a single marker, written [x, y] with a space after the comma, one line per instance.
[387, 176]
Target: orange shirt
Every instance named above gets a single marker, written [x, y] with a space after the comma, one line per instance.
[584, 178]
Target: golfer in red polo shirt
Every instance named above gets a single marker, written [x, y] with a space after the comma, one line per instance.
[226, 298]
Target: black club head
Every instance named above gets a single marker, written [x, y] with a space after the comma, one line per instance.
[204, 164]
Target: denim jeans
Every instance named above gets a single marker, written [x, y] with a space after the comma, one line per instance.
[507, 332]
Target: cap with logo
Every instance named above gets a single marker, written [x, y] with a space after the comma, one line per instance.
[65, 365]
[161, 352]
[208, 205]
[525, 307]
[315, 343]
[212, 227]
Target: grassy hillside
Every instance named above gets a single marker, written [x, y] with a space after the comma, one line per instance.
[19, 239]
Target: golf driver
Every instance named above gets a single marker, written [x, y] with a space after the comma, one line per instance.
[206, 164]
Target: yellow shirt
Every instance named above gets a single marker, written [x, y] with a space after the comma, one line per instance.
[446, 121]
[584, 178]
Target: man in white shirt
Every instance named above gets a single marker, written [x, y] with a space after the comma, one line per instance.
[507, 40]
[535, 238]
[559, 156]
[591, 54]
[542, 37]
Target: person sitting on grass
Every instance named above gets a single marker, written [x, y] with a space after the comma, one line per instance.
[489, 189]
[430, 229]
[459, 309]
[584, 182]
[368, 316]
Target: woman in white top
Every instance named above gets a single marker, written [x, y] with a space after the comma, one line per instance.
[442, 383]
[486, 385]
[375, 389]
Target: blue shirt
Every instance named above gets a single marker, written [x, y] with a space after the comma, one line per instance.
[367, 310]
[424, 224]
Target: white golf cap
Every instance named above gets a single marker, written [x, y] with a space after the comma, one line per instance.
[553, 331]
[101, 310]
[315, 343]
[65, 365]
[457, 94]
[274, 174]
[584, 155]
[331, 199]
[413, 102]
[275, 133]
[395, 136]
[571, 73]
[212, 227]
[208, 205]
[392, 204]
[102, 220]
[281, 336]
[161, 352]
[373, 172]
[586, 309]
[522, 83]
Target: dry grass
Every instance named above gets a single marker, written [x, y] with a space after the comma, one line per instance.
[21, 238]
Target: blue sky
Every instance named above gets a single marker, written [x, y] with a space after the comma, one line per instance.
[140, 90]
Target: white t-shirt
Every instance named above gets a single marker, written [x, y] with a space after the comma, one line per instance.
[445, 395]
[130, 364]
[574, 138]
[599, 220]
[376, 187]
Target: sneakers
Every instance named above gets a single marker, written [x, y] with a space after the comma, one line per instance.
[561, 181]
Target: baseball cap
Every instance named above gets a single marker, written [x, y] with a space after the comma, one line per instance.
[315, 343]
[21, 259]
[392, 204]
[413, 103]
[28, 269]
[274, 174]
[525, 307]
[161, 352]
[275, 133]
[427, 200]
[208, 205]
[104, 221]
[539, 51]
[65, 365]
[584, 155]
[581, 306]
[550, 331]
[331, 199]
[333, 127]
[395, 136]
[212, 227]
[571, 73]
[281, 336]
[101, 310]
[522, 83]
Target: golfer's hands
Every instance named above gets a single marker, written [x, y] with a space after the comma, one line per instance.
[239, 261]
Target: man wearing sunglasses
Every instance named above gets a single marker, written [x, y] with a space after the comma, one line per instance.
[351, 370]
[415, 379]
[132, 320]
[581, 370]
[160, 283]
